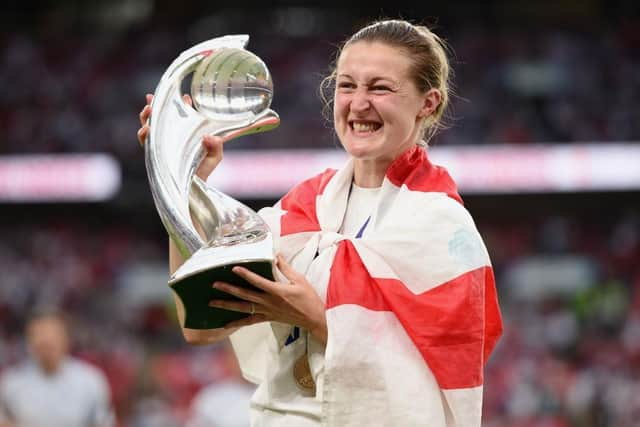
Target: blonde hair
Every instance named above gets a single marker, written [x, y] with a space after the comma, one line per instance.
[430, 64]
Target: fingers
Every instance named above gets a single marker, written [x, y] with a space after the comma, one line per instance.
[255, 279]
[287, 270]
[239, 292]
[146, 110]
[142, 134]
[213, 147]
[239, 306]
[213, 143]
[144, 114]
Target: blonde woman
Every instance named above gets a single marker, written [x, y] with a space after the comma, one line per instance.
[384, 311]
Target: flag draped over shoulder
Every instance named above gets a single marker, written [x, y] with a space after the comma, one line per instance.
[411, 306]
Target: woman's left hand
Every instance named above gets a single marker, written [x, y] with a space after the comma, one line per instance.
[295, 303]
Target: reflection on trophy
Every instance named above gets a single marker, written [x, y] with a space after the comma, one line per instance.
[231, 89]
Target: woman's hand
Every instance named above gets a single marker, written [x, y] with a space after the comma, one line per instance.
[212, 144]
[144, 115]
[295, 303]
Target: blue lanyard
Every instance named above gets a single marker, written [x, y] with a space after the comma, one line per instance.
[359, 235]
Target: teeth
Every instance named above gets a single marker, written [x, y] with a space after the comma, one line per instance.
[364, 127]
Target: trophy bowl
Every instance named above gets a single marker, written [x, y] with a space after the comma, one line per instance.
[231, 92]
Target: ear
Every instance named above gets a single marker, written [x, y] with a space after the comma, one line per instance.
[431, 100]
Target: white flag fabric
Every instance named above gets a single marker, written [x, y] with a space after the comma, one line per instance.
[411, 305]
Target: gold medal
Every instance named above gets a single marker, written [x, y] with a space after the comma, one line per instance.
[302, 374]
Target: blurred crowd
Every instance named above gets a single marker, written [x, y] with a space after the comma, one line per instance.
[569, 289]
[570, 294]
[82, 92]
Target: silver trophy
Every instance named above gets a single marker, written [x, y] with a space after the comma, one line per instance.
[231, 90]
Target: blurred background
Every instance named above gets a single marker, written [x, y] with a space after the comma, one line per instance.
[544, 140]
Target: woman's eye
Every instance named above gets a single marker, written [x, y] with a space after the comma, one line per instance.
[346, 85]
[380, 88]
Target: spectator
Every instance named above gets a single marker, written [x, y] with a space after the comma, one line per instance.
[53, 389]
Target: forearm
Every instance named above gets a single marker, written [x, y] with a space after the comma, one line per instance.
[175, 258]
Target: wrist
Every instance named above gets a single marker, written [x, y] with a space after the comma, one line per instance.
[320, 330]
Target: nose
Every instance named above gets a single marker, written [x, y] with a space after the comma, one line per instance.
[360, 101]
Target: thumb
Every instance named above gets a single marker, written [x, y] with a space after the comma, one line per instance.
[213, 144]
[286, 269]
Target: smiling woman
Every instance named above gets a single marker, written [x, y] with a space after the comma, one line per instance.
[391, 90]
[378, 110]
[374, 317]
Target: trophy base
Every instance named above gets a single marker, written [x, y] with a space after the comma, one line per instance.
[193, 281]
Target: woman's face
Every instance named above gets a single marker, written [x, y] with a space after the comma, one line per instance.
[377, 107]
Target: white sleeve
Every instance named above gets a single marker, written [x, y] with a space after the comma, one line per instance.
[253, 346]
[102, 414]
[5, 411]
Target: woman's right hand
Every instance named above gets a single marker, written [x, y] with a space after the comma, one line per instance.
[212, 144]
[144, 115]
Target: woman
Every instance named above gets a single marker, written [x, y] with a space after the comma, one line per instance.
[385, 310]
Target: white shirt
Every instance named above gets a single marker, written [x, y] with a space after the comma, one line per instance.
[361, 203]
[279, 400]
[76, 395]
